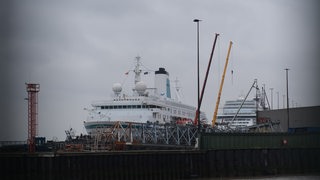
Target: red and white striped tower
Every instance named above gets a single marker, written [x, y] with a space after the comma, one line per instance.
[32, 90]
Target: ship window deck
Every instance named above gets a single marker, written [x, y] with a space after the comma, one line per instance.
[130, 107]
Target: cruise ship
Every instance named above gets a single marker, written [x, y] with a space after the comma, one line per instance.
[145, 104]
[236, 118]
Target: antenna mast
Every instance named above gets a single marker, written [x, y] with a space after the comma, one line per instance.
[137, 71]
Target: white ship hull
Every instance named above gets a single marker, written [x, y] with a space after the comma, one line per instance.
[95, 127]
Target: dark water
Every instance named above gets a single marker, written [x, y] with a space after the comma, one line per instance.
[311, 177]
[290, 177]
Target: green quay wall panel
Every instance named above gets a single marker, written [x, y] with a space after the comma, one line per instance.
[259, 140]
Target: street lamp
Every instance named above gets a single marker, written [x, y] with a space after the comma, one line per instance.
[271, 89]
[278, 98]
[287, 96]
[198, 109]
[283, 101]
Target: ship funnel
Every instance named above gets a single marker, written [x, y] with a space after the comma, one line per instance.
[162, 83]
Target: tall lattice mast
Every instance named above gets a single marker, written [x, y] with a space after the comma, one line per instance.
[32, 90]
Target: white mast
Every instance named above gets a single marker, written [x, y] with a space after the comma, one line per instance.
[137, 71]
[178, 96]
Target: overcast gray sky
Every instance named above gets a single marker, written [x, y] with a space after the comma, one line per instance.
[77, 49]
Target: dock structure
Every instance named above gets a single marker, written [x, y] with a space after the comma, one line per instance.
[127, 135]
[146, 134]
[255, 151]
[228, 155]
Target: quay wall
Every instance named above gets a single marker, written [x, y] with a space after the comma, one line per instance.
[259, 140]
[230, 157]
[161, 164]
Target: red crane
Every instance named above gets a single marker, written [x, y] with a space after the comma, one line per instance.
[32, 90]
[197, 117]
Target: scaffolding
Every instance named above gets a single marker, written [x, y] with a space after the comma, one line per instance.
[32, 90]
[146, 134]
[123, 134]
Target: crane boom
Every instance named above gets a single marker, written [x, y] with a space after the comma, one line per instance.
[221, 86]
[197, 117]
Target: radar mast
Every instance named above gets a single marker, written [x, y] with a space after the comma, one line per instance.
[137, 70]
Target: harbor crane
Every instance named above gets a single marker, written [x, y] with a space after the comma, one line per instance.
[197, 117]
[221, 86]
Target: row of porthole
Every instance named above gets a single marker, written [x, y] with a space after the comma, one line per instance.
[129, 107]
[126, 99]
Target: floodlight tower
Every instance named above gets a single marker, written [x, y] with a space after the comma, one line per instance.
[32, 90]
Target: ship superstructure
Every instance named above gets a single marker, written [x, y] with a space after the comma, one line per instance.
[240, 113]
[245, 117]
[145, 105]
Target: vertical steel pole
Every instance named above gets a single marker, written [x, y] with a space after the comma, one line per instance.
[278, 99]
[198, 57]
[287, 97]
[271, 89]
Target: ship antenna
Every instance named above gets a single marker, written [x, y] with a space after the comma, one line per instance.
[176, 83]
[178, 95]
[137, 70]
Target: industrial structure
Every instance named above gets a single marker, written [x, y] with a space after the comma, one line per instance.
[302, 119]
[32, 90]
[221, 86]
[132, 136]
